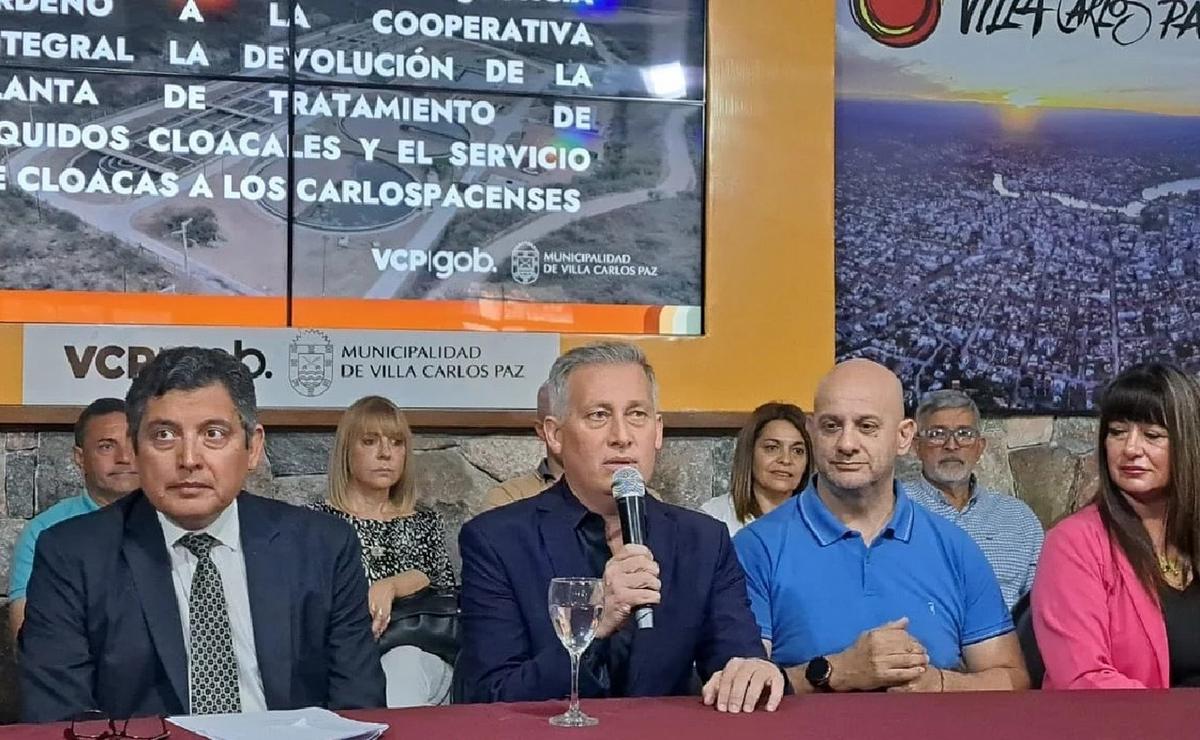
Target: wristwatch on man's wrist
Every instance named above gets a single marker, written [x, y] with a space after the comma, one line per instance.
[817, 673]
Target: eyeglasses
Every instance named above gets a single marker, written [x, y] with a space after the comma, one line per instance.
[938, 436]
[96, 725]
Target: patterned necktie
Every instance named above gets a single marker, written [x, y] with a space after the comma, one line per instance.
[212, 668]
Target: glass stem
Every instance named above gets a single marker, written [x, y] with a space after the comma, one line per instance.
[574, 708]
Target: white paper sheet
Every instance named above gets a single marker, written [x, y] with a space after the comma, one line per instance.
[311, 723]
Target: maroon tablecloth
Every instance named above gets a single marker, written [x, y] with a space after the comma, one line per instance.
[1093, 715]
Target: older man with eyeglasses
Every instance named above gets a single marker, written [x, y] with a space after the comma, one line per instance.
[949, 445]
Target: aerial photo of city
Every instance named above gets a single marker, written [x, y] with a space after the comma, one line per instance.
[1020, 235]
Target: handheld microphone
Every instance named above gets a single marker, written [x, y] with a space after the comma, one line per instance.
[629, 489]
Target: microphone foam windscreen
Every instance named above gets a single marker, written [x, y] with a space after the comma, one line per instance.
[627, 481]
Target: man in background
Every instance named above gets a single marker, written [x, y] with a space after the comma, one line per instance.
[104, 457]
[537, 480]
[949, 444]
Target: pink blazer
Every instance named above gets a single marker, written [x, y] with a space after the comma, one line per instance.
[1097, 627]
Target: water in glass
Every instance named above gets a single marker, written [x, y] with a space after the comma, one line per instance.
[575, 605]
[575, 625]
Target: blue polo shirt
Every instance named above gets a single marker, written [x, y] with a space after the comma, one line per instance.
[22, 559]
[815, 586]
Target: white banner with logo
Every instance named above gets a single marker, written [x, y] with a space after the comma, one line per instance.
[66, 365]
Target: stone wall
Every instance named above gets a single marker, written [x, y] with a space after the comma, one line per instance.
[1050, 463]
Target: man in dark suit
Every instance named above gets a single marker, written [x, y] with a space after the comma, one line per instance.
[190, 595]
[604, 417]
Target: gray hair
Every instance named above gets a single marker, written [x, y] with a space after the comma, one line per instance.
[543, 400]
[943, 400]
[189, 369]
[599, 353]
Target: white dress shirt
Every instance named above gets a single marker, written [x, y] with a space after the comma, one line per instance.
[721, 507]
[231, 564]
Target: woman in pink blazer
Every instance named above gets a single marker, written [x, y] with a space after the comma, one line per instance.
[1115, 602]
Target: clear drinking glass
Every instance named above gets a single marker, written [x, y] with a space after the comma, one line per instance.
[575, 605]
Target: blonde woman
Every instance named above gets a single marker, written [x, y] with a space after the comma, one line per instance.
[403, 546]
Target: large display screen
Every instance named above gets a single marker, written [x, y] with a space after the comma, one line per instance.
[417, 164]
[1018, 195]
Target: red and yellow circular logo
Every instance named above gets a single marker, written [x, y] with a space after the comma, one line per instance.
[897, 23]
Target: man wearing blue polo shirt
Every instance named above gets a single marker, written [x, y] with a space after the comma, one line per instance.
[856, 588]
[104, 457]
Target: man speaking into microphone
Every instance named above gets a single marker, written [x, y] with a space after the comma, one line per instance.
[604, 418]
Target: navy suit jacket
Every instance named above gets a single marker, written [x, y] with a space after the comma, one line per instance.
[102, 627]
[510, 651]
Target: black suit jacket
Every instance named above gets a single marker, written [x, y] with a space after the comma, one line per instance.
[510, 651]
[102, 627]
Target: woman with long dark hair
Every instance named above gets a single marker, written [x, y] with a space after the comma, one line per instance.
[771, 464]
[1116, 603]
